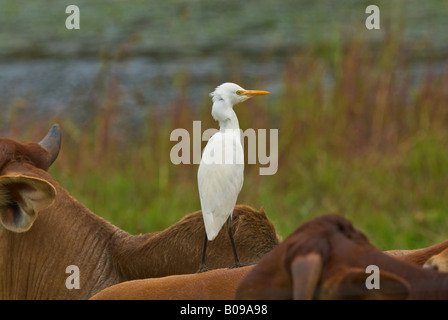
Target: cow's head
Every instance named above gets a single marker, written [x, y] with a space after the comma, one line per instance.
[325, 258]
[23, 193]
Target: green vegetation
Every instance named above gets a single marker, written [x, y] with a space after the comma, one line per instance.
[360, 132]
[371, 146]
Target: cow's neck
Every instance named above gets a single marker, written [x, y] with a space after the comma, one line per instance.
[68, 234]
[175, 250]
[155, 255]
[65, 235]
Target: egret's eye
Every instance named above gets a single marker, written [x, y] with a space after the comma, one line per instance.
[239, 92]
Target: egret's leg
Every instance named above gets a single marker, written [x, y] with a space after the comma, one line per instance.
[235, 255]
[203, 267]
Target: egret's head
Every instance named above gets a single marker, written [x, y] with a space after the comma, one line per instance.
[233, 93]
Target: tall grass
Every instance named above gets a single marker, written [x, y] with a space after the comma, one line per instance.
[359, 135]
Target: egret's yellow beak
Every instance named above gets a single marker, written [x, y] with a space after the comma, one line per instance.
[253, 93]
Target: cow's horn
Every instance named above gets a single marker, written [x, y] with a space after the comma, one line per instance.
[52, 143]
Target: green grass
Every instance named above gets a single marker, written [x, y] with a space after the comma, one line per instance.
[372, 146]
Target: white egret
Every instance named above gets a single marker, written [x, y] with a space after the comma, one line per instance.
[221, 170]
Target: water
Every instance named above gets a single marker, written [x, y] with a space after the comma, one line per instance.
[52, 86]
[159, 48]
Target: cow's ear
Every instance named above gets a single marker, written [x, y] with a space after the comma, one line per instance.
[21, 198]
[305, 274]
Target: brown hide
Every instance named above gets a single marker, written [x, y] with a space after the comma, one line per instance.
[41, 155]
[25, 153]
[343, 255]
[438, 262]
[218, 284]
[419, 256]
[55, 231]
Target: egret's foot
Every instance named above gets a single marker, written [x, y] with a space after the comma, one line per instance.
[239, 265]
[203, 268]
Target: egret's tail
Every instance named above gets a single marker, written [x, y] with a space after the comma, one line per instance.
[212, 225]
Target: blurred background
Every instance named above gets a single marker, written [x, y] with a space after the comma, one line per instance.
[362, 115]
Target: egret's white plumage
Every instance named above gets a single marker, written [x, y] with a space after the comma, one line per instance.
[221, 171]
[219, 182]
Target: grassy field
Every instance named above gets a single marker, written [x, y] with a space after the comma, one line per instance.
[359, 136]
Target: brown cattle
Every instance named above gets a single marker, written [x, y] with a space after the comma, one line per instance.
[327, 258]
[419, 256]
[48, 238]
[218, 284]
[438, 262]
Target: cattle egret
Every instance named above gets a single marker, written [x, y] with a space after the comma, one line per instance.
[221, 170]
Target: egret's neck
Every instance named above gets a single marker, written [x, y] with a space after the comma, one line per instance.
[229, 123]
[222, 112]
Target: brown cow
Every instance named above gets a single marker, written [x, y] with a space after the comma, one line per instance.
[438, 262]
[327, 258]
[48, 238]
[419, 256]
[218, 284]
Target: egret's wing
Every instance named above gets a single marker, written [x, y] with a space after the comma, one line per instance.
[219, 184]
